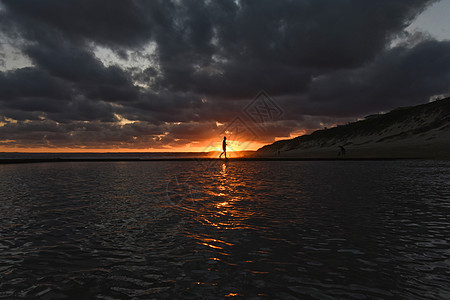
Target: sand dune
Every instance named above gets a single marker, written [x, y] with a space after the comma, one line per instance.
[421, 131]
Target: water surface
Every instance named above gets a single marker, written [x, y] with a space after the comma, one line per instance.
[260, 230]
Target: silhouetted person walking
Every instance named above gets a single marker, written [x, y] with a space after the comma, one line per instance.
[341, 151]
[224, 147]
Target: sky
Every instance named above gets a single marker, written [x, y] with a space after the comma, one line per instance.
[178, 75]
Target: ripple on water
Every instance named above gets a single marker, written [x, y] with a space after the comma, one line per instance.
[287, 230]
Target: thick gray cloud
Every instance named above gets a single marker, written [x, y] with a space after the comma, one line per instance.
[324, 61]
[401, 76]
[32, 82]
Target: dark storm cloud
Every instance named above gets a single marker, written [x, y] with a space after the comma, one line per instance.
[32, 82]
[88, 75]
[46, 133]
[329, 59]
[402, 76]
[105, 21]
[278, 44]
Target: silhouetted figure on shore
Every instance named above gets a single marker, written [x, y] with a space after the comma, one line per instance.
[224, 147]
[341, 151]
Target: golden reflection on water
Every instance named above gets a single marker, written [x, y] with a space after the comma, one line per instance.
[219, 205]
[226, 211]
[224, 169]
[218, 241]
[221, 211]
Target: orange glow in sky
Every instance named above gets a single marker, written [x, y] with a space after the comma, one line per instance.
[207, 146]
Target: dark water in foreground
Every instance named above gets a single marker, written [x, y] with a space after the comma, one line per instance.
[261, 230]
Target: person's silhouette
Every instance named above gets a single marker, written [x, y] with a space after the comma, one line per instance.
[224, 147]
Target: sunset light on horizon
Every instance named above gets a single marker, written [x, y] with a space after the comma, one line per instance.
[207, 146]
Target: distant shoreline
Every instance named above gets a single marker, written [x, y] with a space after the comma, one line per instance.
[58, 160]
